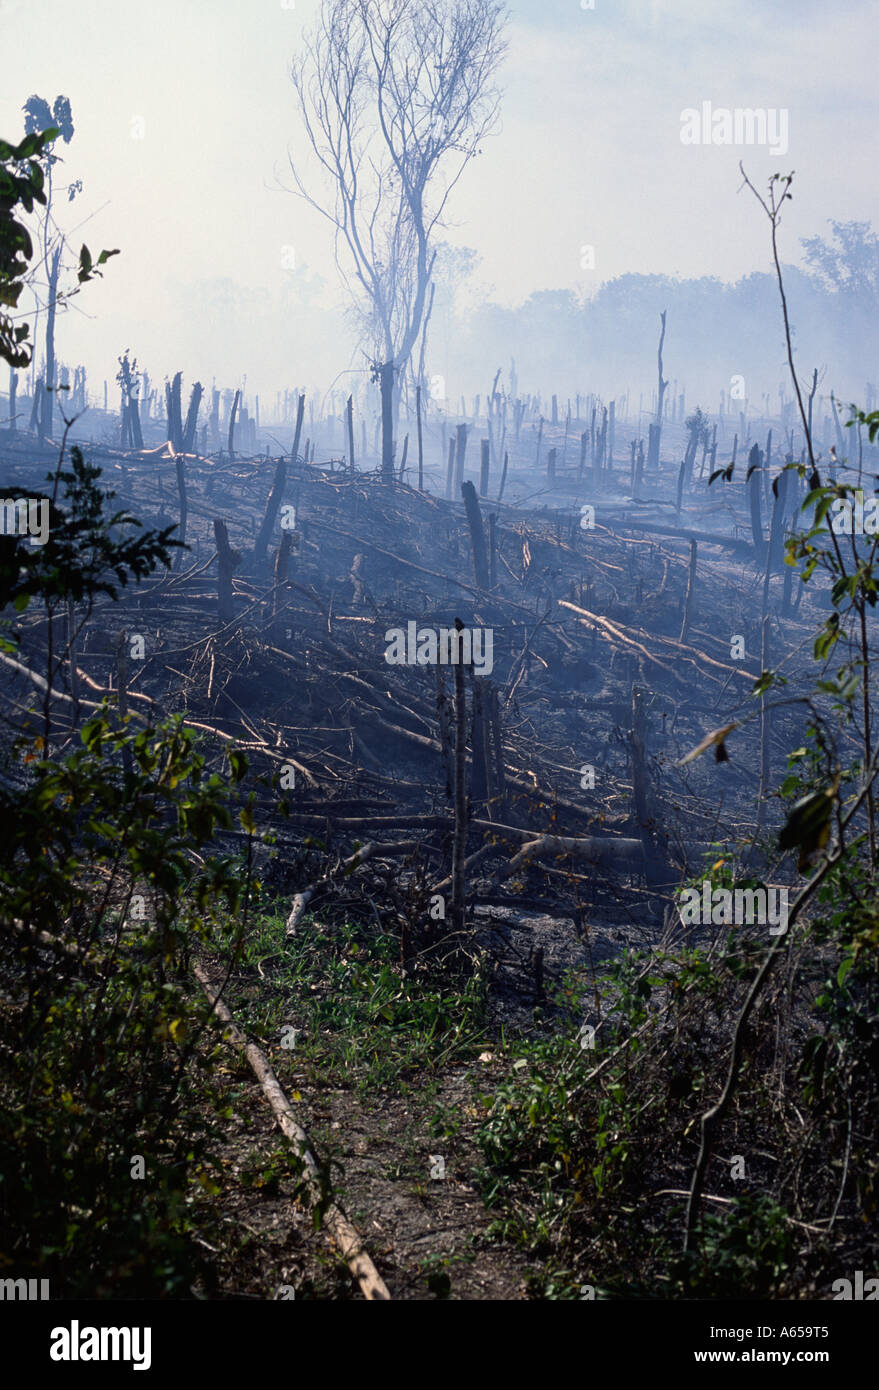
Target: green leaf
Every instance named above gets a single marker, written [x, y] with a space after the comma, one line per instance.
[237, 763]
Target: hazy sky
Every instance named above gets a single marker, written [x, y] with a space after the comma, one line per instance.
[589, 153]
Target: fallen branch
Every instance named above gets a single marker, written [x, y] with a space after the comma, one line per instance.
[335, 1222]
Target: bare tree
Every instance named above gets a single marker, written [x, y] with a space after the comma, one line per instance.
[396, 97]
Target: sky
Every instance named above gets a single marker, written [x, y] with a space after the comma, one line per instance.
[184, 114]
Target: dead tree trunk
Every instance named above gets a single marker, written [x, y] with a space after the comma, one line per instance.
[273, 503]
[300, 415]
[460, 451]
[680, 496]
[639, 468]
[655, 430]
[584, 442]
[191, 419]
[477, 534]
[228, 561]
[503, 477]
[282, 560]
[47, 414]
[776, 530]
[232, 413]
[420, 438]
[172, 405]
[484, 465]
[663, 384]
[653, 437]
[755, 464]
[349, 416]
[386, 385]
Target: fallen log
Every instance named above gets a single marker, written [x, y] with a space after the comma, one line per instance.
[336, 1224]
[598, 851]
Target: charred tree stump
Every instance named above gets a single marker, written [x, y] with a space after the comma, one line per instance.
[500, 493]
[682, 473]
[460, 451]
[450, 470]
[273, 504]
[477, 535]
[653, 437]
[755, 464]
[282, 563]
[297, 435]
[228, 561]
[584, 443]
[191, 419]
[232, 413]
[550, 467]
[349, 418]
[172, 407]
[776, 532]
[484, 465]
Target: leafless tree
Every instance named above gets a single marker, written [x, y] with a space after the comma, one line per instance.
[396, 98]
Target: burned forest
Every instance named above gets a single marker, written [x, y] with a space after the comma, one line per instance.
[439, 754]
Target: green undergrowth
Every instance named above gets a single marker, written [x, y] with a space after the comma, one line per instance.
[358, 1019]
